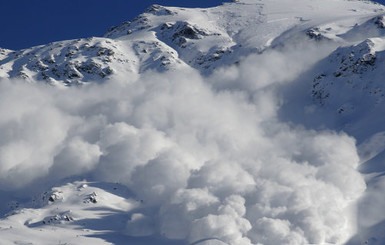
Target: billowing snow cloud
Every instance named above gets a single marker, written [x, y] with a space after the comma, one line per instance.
[209, 162]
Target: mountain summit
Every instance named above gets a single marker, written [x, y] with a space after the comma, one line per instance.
[166, 38]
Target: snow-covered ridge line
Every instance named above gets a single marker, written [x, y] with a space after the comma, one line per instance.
[165, 38]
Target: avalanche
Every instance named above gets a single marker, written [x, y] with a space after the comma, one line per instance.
[254, 122]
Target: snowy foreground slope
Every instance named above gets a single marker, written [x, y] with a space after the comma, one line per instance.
[254, 122]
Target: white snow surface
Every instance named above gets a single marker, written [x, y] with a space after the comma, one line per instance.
[254, 122]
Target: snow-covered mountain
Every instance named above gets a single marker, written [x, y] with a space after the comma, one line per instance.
[165, 38]
[254, 122]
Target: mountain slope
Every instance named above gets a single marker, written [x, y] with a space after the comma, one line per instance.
[166, 38]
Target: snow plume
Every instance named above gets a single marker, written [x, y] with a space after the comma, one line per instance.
[208, 164]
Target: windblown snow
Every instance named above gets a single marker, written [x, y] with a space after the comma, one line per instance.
[254, 122]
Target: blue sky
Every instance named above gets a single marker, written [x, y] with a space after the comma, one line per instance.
[26, 23]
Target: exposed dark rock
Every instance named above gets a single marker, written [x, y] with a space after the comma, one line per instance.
[159, 10]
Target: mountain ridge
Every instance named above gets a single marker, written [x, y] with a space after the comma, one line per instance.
[151, 41]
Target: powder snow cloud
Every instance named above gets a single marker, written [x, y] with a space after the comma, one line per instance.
[211, 160]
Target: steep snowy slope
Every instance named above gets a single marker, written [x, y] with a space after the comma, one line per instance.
[234, 125]
[74, 214]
